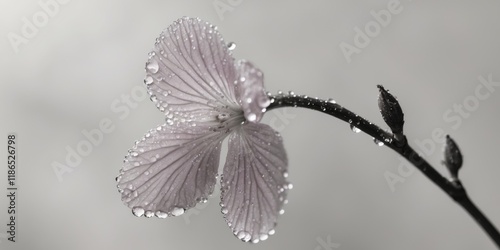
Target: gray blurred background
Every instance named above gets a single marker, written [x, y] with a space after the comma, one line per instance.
[85, 57]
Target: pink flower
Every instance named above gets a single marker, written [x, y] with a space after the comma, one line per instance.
[206, 96]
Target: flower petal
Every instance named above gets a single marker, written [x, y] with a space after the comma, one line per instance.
[250, 91]
[254, 185]
[191, 71]
[169, 170]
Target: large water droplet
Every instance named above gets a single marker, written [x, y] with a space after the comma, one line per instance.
[354, 128]
[138, 211]
[161, 215]
[379, 143]
[152, 66]
[177, 211]
[263, 236]
[148, 214]
[330, 100]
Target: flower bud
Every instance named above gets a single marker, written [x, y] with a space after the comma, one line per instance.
[391, 111]
[452, 157]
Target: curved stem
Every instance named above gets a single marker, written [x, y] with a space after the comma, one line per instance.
[453, 188]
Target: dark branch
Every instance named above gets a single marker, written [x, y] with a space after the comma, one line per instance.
[399, 144]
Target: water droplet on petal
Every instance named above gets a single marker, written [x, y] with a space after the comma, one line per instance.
[251, 117]
[152, 66]
[161, 215]
[354, 129]
[271, 232]
[263, 236]
[282, 211]
[148, 214]
[379, 143]
[138, 211]
[177, 211]
[231, 46]
[244, 236]
[148, 80]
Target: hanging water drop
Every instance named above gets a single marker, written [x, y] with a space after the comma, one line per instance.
[177, 211]
[138, 211]
[354, 128]
[378, 143]
[161, 215]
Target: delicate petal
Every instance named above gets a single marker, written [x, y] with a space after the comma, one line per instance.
[250, 91]
[190, 72]
[254, 182]
[169, 170]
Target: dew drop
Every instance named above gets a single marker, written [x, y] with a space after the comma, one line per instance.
[378, 143]
[152, 66]
[244, 236]
[282, 211]
[138, 211]
[264, 102]
[224, 210]
[330, 100]
[271, 232]
[148, 80]
[161, 215]
[354, 128]
[231, 46]
[263, 236]
[148, 214]
[177, 211]
[251, 117]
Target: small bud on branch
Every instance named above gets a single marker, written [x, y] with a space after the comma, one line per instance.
[391, 111]
[452, 157]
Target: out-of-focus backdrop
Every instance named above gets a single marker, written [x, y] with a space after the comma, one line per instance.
[67, 66]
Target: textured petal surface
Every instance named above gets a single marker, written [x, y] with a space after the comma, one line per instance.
[190, 72]
[250, 91]
[254, 182]
[170, 170]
